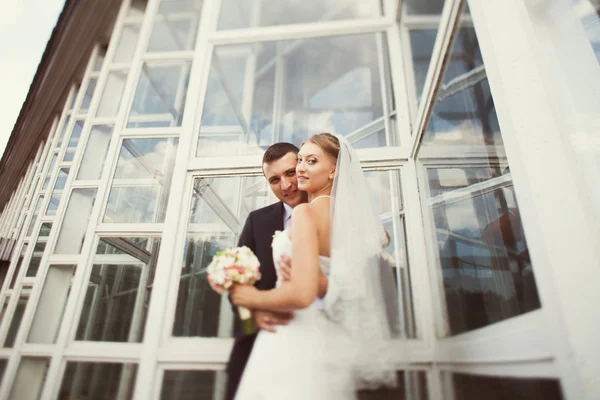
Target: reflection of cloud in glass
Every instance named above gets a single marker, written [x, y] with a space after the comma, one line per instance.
[151, 162]
[452, 177]
[353, 89]
[297, 88]
[175, 26]
[381, 190]
[142, 158]
[161, 93]
[236, 14]
[462, 218]
[230, 148]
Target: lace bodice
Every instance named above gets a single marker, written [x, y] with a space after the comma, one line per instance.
[283, 245]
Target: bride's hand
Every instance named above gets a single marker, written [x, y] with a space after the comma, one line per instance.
[243, 295]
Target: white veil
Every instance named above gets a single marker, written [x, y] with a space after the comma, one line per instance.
[357, 297]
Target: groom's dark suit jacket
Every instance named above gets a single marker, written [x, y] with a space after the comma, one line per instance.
[257, 235]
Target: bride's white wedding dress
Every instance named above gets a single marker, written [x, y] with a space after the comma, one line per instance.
[294, 362]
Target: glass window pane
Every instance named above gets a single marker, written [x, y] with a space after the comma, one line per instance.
[100, 58]
[219, 209]
[63, 131]
[51, 305]
[127, 43]
[412, 385]
[137, 8]
[36, 257]
[4, 308]
[421, 42]
[160, 95]
[237, 14]
[476, 229]
[74, 97]
[176, 26]
[483, 252]
[431, 7]
[119, 290]
[59, 185]
[36, 212]
[190, 384]
[95, 153]
[77, 216]
[472, 387]
[3, 364]
[29, 196]
[45, 229]
[50, 171]
[17, 317]
[270, 92]
[87, 380]
[30, 378]
[17, 270]
[87, 98]
[464, 112]
[140, 188]
[4, 266]
[112, 94]
[73, 141]
[387, 201]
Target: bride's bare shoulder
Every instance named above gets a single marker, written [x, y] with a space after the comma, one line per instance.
[303, 209]
[304, 212]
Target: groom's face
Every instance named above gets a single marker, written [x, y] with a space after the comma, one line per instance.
[281, 175]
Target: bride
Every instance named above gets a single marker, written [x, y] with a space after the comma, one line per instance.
[338, 345]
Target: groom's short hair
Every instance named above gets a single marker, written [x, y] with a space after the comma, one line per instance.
[277, 151]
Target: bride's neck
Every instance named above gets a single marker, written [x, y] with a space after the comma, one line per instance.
[323, 192]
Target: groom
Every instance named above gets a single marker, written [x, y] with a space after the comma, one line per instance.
[279, 168]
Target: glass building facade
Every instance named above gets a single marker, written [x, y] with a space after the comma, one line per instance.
[477, 127]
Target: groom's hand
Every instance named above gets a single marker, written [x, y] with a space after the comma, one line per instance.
[285, 268]
[267, 320]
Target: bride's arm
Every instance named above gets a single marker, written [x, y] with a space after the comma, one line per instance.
[285, 267]
[301, 291]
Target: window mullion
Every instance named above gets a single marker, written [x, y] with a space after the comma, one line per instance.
[450, 20]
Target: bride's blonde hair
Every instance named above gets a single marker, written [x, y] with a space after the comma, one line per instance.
[329, 143]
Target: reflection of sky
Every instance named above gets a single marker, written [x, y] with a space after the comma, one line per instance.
[63, 174]
[356, 82]
[470, 216]
[236, 14]
[158, 90]
[462, 117]
[147, 161]
[422, 42]
[442, 180]
[380, 189]
[431, 7]
[172, 35]
[328, 84]
[233, 196]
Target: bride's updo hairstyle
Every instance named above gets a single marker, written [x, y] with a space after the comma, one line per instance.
[328, 143]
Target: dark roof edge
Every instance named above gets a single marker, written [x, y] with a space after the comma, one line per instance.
[80, 25]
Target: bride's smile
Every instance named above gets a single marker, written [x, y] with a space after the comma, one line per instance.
[315, 170]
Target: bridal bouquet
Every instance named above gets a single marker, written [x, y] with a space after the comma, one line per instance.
[237, 265]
